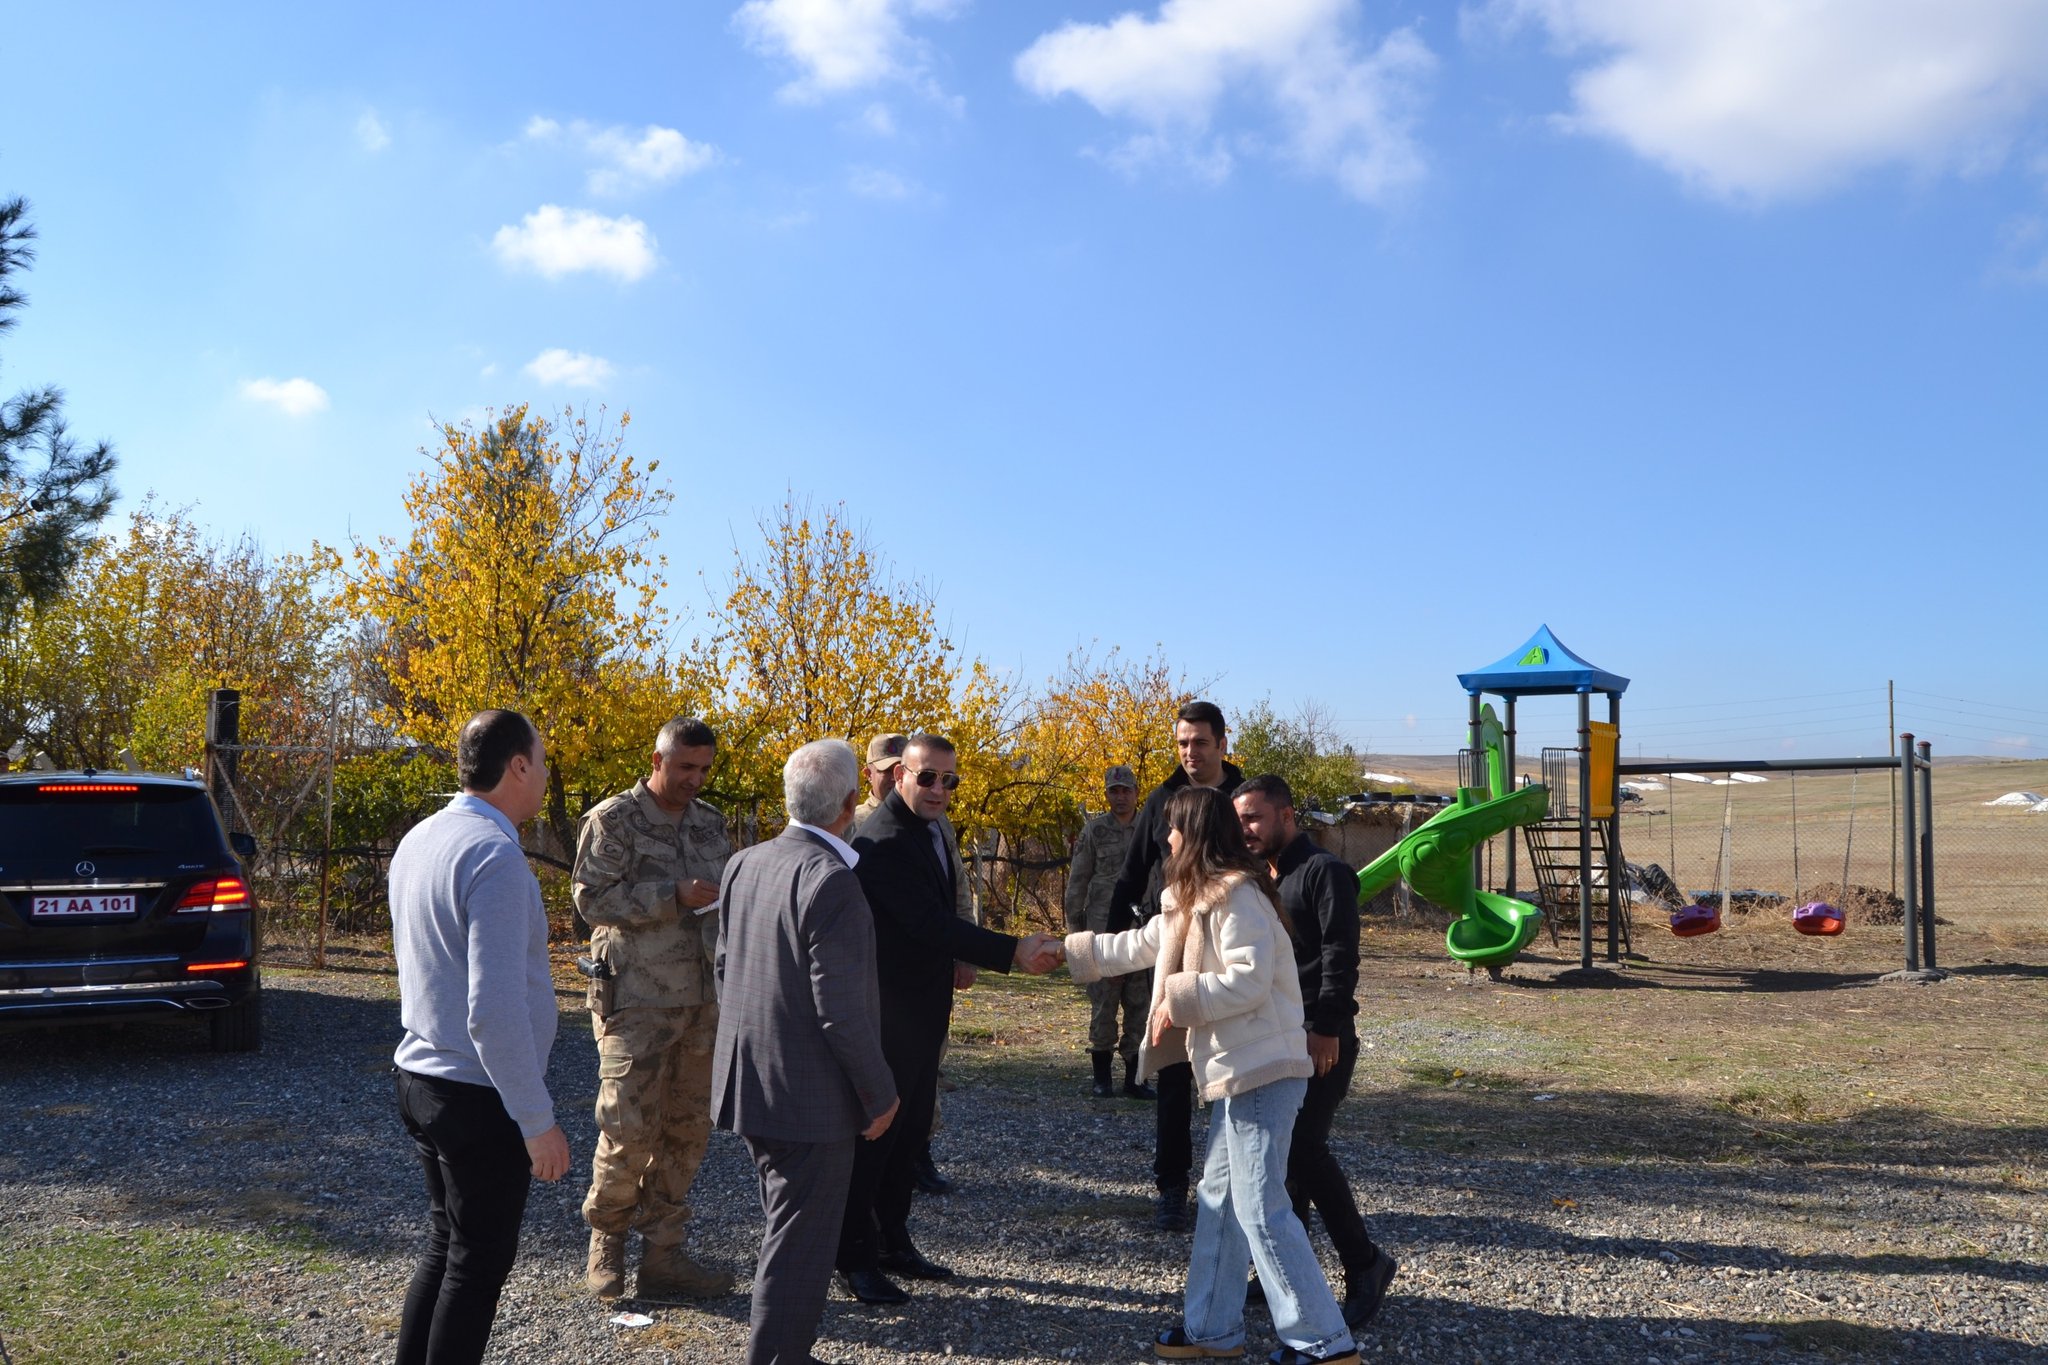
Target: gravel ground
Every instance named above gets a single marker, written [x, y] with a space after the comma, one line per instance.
[1505, 1257]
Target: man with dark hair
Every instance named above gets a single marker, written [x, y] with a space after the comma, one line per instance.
[908, 870]
[1091, 875]
[1319, 891]
[647, 868]
[799, 1072]
[1200, 739]
[885, 756]
[478, 1006]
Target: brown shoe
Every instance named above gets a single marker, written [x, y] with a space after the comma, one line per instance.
[668, 1275]
[605, 1271]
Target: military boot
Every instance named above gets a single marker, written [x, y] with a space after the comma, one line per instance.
[605, 1271]
[668, 1275]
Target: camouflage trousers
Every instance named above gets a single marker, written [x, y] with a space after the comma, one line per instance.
[653, 1119]
[1133, 994]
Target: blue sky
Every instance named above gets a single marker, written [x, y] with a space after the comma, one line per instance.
[1328, 345]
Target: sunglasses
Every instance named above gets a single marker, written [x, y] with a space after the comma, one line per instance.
[926, 777]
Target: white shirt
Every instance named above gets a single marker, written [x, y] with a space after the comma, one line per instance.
[832, 841]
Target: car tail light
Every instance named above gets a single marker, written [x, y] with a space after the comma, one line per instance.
[84, 788]
[222, 893]
[234, 966]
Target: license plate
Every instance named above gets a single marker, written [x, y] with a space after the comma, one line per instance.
[63, 907]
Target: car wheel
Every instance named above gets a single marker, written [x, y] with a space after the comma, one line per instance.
[239, 1027]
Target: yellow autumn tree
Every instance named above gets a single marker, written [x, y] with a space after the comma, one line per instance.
[528, 581]
[1039, 766]
[813, 637]
[147, 623]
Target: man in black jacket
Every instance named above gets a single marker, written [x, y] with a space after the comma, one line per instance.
[909, 871]
[1200, 739]
[1319, 892]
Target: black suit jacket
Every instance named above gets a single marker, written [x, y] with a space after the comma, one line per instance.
[918, 935]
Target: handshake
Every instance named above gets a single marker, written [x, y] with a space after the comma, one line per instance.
[1040, 953]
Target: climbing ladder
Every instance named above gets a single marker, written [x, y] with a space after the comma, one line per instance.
[1554, 845]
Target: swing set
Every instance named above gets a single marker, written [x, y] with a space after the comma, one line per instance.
[1913, 762]
[1817, 918]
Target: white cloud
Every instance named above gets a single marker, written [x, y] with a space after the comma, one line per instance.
[657, 156]
[842, 45]
[571, 368]
[1761, 99]
[292, 397]
[877, 119]
[628, 159]
[871, 182]
[1338, 111]
[554, 241]
[371, 134]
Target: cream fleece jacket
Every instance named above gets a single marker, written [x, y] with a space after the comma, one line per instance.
[1240, 1010]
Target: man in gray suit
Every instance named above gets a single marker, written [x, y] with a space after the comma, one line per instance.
[798, 1071]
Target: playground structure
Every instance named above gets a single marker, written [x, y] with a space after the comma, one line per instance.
[1439, 861]
[1570, 823]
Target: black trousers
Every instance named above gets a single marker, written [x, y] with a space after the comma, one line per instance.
[1173, 1150]
[885, 1170]
[803, 1192]
[478, 1174]
[1313, 1175]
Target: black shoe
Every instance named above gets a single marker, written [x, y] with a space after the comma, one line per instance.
[1134, 1090]
[925, 1174]
[911, 1263]
[1362, 1294]
[1171, 1213]
[1102, 1088]
[1294, 1355]
[872, 1286]
[1173, 1344]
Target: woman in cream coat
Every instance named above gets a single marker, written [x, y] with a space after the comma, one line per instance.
[1225, 997]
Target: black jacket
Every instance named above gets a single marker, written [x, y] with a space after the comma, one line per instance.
[1319, 892]
[918, 935]
[1136, 895]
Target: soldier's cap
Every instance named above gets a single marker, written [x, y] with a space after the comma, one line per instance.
[886, 751]
[1120, 776]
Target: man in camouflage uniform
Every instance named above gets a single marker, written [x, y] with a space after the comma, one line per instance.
[885, 756]
[1098, 859]
[647, 868]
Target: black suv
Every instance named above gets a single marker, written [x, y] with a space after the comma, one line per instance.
[120, 894]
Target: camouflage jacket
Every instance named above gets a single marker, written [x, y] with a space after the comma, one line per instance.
[1098, 859]
[629, 856]
[963, 885]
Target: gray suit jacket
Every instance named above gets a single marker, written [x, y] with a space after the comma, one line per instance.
[799, 1053]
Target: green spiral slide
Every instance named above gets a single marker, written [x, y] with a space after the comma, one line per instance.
[1436, 860]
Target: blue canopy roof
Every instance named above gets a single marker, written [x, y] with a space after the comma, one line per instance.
[1541, 667]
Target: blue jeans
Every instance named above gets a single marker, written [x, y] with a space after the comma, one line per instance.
[1246, 1219]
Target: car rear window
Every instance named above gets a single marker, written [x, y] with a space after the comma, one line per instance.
[46, 828]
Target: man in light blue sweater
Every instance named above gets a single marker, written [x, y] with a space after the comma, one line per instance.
[478, 1005]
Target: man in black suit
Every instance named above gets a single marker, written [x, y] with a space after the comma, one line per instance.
[798, 1070]
[909, 872]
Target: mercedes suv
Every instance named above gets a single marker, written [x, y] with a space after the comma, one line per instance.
[121, 895]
